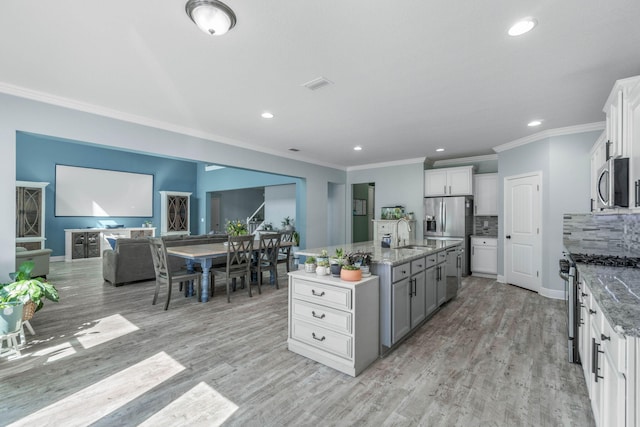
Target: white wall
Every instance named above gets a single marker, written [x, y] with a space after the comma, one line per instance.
[279, 203]
[565, 165]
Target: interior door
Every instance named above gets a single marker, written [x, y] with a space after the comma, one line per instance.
[215, 214]
[522, 249]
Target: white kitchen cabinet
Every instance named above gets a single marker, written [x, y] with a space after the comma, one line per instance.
[484, 256]
[449, 181]
[603, 354]
[332, 321]
[441, 280]
[485, 197]
[418, 291]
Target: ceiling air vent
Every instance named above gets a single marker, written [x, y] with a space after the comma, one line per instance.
[318, 83]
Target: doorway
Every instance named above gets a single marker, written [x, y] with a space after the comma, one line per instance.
[363, 206]
[522, 230]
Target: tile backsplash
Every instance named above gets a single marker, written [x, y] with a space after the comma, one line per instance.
[617, 234]
[491, 229]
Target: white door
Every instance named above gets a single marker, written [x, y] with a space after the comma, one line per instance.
[522, 248]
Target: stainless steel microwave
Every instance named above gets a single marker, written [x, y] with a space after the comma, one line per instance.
[612, 185]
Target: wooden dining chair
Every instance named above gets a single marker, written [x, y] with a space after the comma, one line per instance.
[239, 250]
[284, 253]
[165, 276]
[266, 258]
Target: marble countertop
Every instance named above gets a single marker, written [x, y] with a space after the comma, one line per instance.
[617, 291]
[391, 256]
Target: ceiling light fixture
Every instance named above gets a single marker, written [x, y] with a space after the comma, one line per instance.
[534, 123]
[439, 149]
[357, 148]
[267, 115]
[211, 16]
[522, 26]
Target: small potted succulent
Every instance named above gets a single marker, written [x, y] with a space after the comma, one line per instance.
[351, 273]
[323, 268]
[310, 264]
[336, 262]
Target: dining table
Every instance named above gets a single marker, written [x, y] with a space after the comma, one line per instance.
[205, 254]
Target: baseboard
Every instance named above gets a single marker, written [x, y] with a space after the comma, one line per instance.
[486, 276]
[501, 279]
[56, 258]
[552, 293]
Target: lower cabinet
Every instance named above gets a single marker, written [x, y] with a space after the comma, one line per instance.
[401, 312]
[484, 256]
[331, 320]
[85, 244]
[441, 280]
[604, 354]
[90, 243]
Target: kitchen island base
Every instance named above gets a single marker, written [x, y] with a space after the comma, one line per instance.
[334, 322]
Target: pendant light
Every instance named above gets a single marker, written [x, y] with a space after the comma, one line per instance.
[211, 16]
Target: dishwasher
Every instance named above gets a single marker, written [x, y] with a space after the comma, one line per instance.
[454, 271]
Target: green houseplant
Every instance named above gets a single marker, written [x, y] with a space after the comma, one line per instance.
[310, 264]
[336, 262]
[236, 228]
[27, 289]
[287, 223]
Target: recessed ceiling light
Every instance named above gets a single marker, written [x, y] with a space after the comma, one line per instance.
[534, 123]
[295, 150]
[267, 115]
[357, 148]
[439, 149]
[522, 26]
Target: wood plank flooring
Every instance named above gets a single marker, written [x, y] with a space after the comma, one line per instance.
[494, 356]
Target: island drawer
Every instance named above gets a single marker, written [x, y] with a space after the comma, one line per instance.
[400, 272]
[417, 265]
[323, 338]
[442, 256]
[322, 294]
[322, 316]
[431, 260]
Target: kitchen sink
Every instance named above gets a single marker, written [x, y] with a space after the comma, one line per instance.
[421, 247]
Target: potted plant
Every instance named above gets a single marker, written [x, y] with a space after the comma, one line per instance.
[350, 272]
[336, 262]
[324, 256]
[236, 228]
[323, 268]
[31, 292]
[295, 237]
[310, 264]
[287, 223]
[147, 224]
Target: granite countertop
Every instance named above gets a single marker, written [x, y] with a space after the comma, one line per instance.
[484, 236]
[617, 291]
[391, 256]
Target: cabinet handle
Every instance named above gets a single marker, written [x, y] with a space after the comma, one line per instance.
[415, 287]
[592, 311]
[322, 316]
[445, 189]
[473, 250]
[313, 334]
[603, 337]
[449, 189]
[321, 294]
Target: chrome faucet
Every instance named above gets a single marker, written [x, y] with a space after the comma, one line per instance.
[406, 221]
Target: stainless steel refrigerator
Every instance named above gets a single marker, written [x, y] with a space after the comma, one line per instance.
[450, 217]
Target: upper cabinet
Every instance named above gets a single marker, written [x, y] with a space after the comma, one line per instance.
[30, 214]
[598, 157]
[485, 197]
[449, 181]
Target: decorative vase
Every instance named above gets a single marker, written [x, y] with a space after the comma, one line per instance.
[321, 270]
[10, 318]
[351, 275]
[364, 269]
[335, 269]
[309, 268]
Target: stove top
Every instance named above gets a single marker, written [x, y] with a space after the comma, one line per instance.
[606, 260]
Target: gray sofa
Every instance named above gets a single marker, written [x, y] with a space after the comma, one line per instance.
[40, 258]
[131, 261]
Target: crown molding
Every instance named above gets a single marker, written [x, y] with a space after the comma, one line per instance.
[589, 127]
[72, 104]
[387, 164]
[465, 160]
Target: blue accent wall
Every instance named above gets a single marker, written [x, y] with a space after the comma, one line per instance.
[36, 159]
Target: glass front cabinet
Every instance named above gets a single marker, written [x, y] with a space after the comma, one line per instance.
[174, 212]
[30, 210]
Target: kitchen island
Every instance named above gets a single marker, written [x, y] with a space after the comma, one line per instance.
[414, 282]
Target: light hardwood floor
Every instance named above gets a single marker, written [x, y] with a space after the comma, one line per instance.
[494, 356]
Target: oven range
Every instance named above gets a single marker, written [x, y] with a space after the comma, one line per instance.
[569, 273]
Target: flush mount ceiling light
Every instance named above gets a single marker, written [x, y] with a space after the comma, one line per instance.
[267, 115]
[534, 123]
[439, 149]
[211, 16]
[522, 26]
[357, 148]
